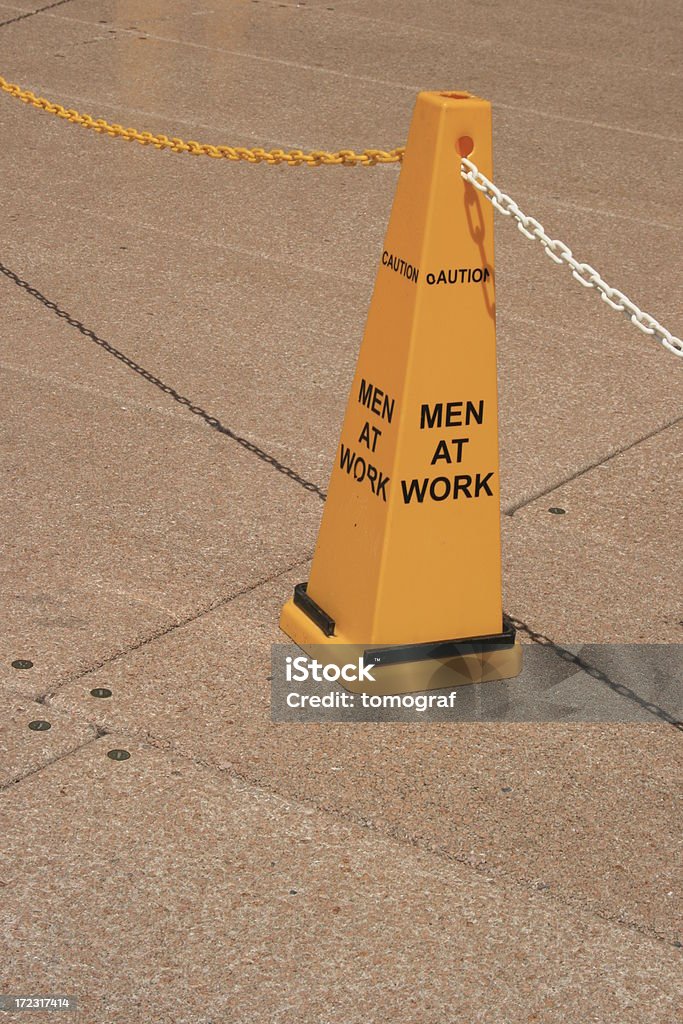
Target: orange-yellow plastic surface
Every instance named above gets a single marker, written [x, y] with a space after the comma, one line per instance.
[390, 570]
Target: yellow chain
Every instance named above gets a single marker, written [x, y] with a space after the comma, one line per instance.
[293, 157]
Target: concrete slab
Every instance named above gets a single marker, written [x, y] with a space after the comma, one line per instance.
[125, 524]
[157, 306]
[546, 28]
[61, 627]
[529, 803]
[274, 344]
[10, 13]
[608, 567]
[258, 349]
[32, 736]
[254, 908]
[211, 85]
[354, 50]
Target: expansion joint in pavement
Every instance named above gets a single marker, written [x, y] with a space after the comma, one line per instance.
[98, 733]
[591, 466]
[165, 631]
[32, 14]
[402, 838]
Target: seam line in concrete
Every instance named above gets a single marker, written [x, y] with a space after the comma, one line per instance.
[404, 839]
[511, 510]
[550, 198]
[30, 14]
[98, 733]
[165, 631]
[465, 38]
[390, 83]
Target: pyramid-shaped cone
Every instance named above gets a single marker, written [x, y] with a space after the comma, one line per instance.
[409, 546]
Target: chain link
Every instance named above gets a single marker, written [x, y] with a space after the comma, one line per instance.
[560, 253]
[292, 157]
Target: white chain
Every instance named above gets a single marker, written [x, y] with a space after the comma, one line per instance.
[561, 253]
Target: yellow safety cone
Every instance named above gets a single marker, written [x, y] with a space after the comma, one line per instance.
[407, 565]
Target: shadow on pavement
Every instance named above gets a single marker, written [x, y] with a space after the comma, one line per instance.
[196, 410]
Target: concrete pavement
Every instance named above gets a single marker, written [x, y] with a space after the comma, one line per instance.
[179, 336]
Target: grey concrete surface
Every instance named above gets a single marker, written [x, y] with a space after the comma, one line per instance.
[228, 270]
[178, 338]
[251, 907]
[608, 569]
[585, 799]
[33, 736]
